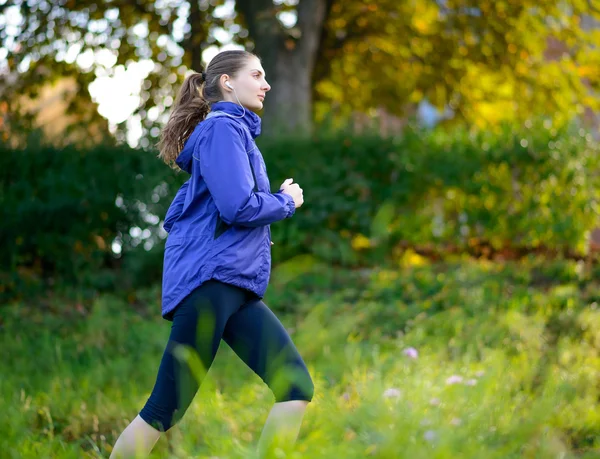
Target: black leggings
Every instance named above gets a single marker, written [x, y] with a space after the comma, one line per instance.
[216, 311]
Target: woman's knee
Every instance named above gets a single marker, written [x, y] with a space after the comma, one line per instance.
[298, 387]
[304, 392]
[159, 421]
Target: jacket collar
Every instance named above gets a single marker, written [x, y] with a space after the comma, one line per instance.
[248, 117]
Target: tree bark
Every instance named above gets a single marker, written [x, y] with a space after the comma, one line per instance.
[288, 57]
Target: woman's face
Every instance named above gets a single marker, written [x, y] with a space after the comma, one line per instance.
[250, 85]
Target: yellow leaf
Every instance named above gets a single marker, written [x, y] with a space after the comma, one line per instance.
[360, 242]
[411, 258]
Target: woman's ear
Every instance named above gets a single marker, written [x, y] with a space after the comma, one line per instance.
[225, 83]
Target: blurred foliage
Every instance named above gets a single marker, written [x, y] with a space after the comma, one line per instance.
[88, 39]
[487, 61]
[368, 199]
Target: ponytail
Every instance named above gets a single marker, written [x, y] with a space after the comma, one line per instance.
[189, 109]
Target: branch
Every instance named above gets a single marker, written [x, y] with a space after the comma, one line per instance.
[140, 10]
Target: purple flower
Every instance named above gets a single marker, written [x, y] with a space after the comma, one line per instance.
[411, 352]
[430, 436]
[471, 382]
[392, 392]
[454, 379]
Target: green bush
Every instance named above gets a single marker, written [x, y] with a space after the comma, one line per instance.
[531, 188]
[62, 209]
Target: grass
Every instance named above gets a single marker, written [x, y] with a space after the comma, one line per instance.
[469, 359]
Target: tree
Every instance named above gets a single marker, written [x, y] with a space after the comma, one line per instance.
[86, 39]
[483, 58]
[53, 37]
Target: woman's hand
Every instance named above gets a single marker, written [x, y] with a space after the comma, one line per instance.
[294, 190]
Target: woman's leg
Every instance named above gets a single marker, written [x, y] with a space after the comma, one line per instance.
[282, 427]
[137, 440]
[257, 336]
[198, 325]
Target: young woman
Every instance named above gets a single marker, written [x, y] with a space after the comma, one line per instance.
[218, 255]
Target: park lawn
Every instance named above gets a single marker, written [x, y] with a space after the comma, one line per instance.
[465, 359]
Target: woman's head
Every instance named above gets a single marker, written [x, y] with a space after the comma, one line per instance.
[235, 76]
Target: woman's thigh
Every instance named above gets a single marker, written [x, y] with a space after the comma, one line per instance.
[257, 336]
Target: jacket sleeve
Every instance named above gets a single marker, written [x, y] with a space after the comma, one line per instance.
[176, 207]
[225, 167]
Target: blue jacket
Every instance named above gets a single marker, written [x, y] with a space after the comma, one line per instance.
[219, 221]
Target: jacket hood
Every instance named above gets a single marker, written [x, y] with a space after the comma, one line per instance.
[250, 119]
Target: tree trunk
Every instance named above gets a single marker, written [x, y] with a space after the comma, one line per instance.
[288, 57]
[195, 39]
[288, 105]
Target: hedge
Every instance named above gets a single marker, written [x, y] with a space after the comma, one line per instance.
[534, 187]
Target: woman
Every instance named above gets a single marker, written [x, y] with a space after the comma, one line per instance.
[217, 256]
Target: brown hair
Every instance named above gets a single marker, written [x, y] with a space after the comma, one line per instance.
[192, 105]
